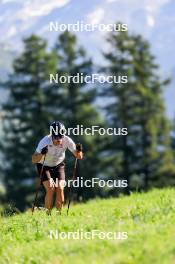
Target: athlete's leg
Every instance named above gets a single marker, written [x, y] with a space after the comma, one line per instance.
[60, 195]
[49, 195]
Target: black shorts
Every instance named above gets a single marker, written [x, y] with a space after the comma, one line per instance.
[56, 172]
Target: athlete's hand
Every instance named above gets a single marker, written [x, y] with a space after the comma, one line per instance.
[79, 147]
[79, 153]
[44, 150]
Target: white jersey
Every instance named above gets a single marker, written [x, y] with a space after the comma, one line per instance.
[55, 154]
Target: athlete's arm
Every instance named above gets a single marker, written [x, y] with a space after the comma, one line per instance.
[41, 150]
[73, 148]
[36, 157]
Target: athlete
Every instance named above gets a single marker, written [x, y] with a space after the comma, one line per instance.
[52, 147]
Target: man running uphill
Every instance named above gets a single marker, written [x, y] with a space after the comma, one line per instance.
[53, 147]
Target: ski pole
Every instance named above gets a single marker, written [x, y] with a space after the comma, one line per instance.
[78, 148]
[38, 187]
[70, 188]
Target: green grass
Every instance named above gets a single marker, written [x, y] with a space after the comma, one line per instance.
[148, 219]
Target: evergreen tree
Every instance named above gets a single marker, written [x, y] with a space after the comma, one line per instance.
[26, 119]
[143, 157]
[77, 105]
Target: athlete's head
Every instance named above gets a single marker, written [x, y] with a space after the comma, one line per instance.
[57, 130]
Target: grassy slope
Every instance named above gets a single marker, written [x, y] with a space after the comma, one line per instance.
[148, 218]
